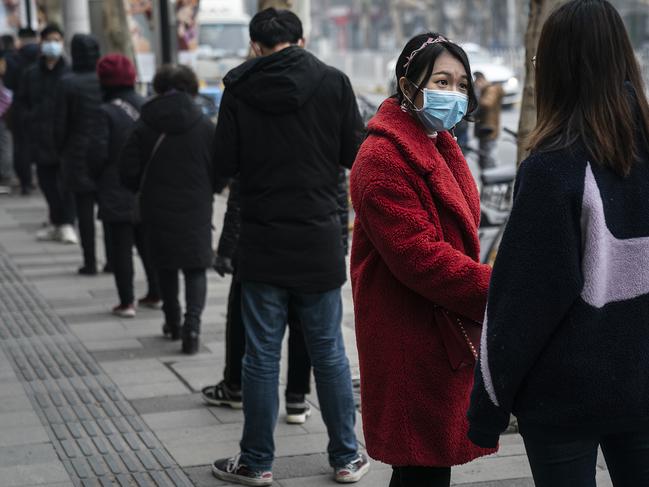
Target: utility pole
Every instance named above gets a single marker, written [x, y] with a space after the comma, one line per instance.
[28, 12]
[539, 12]
[165, 34]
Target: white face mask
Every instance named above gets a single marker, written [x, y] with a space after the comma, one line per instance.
[52, 49]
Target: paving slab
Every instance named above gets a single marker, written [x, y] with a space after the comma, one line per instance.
[22, 435]
[39, 474]
[27, 454]
[161, 404]
[192, 418]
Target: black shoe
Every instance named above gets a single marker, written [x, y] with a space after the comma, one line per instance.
[108, 269]
[190, 342]
[297, 409]
[172, 331]
[222, 395]
[88, 270]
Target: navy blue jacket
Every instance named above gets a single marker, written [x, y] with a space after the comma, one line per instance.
[565, 344]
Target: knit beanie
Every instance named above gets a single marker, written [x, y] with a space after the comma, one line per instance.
[116, 70]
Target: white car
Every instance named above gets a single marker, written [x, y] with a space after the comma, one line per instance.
[495, 72]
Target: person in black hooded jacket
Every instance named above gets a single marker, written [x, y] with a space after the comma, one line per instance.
[287, 123]
[298, 377]
[76, 130]
[37, 94]
[167, 159]
[120, 110]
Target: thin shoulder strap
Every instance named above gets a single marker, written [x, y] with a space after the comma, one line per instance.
[148, 164]
[127, 108]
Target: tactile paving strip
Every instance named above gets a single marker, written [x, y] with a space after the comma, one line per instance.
[97, 434]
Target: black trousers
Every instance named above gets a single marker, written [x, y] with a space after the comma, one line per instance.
[195, 295]
[299, 363]
[86, 215]
[572, 461]
[122, 237]
[60, 202]
[420, 477]
[22, 159]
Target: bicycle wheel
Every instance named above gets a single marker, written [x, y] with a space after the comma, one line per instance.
[495, 245]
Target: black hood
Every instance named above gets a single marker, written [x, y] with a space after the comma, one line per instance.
[30, 52]
[279, 83]
[85, 53]
[173, 113]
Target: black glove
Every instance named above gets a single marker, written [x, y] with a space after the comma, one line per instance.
[223, 265]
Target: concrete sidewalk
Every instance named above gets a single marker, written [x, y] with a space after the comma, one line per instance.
[90, 399]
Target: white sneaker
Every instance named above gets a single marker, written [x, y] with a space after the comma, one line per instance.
[297, 413]
[48, 234]
[353, 471]
[67, 235]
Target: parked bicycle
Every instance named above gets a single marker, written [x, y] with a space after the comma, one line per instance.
[496, 192]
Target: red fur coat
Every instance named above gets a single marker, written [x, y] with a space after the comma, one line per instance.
[415, 244]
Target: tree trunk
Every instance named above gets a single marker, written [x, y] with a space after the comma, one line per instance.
[49, 11]
[117, 35]
[539, 12]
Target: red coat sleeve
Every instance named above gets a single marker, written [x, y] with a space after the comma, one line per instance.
[392, 216]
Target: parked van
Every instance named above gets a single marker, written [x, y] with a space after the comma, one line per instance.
[223, 39]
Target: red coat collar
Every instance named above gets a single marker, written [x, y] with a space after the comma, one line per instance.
[440, 163]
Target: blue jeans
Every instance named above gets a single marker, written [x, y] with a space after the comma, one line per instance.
[572, 462]
[265, 313]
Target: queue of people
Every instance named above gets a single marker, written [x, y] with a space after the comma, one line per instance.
[555, 334]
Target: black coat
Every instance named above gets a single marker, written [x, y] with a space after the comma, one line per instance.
[229, 240]
[287, 124]
[37, 94]
[177, 192]
[78, 114]
[18, 62]
[119, 113]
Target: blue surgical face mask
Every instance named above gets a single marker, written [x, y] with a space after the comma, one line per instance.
[52, 49]
[442, 109]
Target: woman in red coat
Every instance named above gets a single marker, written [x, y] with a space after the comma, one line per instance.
[415, 248]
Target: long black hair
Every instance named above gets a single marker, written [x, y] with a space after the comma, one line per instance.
[421, 65]
[588, 86]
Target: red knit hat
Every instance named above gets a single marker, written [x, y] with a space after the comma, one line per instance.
[116, 70]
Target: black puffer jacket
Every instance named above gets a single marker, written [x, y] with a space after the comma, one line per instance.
[287, 124]
[37, 94]
[18, 62]
[177, 192]
[120, 111]
[229, 240]
[78, 114]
